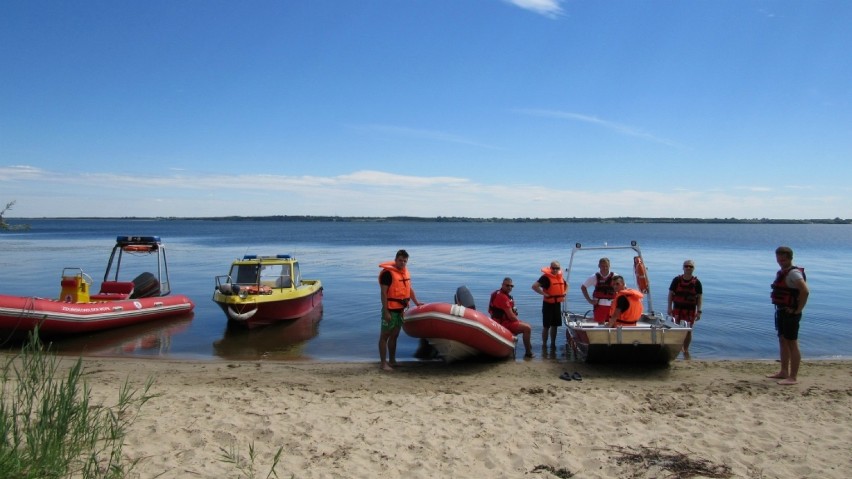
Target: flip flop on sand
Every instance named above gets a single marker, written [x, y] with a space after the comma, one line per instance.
[566, 376]
[576, 376]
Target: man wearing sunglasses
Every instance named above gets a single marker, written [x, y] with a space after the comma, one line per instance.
[552, 287]
[502, 309]
[685, 298]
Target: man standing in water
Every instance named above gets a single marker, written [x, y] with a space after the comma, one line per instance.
[552, 287]
[789, 295]
[685, 298]
[395, 286]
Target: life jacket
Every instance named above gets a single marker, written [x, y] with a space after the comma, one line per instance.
[399, 291]
[498, 314]
[685, 294]
[634, 310]
[603, 288]
[558, 287]
[782, 295]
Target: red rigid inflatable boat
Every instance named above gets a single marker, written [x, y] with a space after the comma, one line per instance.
[119, 302]
[458, 332]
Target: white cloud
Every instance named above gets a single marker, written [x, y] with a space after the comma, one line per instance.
[378, 193]
[548, 8]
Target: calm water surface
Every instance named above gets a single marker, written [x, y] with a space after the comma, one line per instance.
[736, 264]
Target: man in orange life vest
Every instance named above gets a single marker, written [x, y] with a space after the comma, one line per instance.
[501, 307]
[602, 294]
[685, 298]
[551, 285]
[396, 290]
[626, 307]
[789, 295]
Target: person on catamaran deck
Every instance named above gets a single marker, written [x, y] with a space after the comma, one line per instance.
[685, 299]
[602, 294]
[626, 307]
[396, 292]
[502, 309]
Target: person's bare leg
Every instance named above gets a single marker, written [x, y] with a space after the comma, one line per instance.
[383, 351]
[392, 347]
[784, 372]
[795, 358]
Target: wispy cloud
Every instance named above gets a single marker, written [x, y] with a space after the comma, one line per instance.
[430, 135]
[377, 193]
[548, 8]
[610, 125]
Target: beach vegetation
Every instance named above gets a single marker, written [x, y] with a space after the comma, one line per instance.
[49, 425]
[247, 467]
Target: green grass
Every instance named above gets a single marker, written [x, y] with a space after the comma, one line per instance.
[50, 428]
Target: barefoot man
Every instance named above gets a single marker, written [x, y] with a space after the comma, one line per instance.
[789, 295]
[395, 285]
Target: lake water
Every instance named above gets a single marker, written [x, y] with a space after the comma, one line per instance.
[735, 262]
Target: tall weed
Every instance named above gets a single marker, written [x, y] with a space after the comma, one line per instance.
[48, 426]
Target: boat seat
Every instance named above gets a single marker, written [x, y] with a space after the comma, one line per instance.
[114, 290]
[284, 282]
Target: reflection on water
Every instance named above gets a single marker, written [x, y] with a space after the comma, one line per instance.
[153, 338]
[284, 340]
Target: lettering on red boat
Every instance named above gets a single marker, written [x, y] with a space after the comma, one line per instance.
[90, 309]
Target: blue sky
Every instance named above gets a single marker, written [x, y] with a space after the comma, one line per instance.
[481, 108]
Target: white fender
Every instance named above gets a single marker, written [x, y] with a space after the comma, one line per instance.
[240, 317]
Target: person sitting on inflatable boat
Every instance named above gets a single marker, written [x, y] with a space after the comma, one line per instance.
[502, 309]
[626, 308]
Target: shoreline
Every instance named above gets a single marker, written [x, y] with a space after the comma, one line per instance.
[506, 419]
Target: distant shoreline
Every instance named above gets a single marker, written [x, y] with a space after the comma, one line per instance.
[459, 219]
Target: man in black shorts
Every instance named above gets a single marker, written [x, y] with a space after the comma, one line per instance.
[551, 285]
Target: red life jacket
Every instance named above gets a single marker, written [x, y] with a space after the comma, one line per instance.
[498, 314]
[558, 287]
[782, 295]
[603, 288]
[685, 294]
[399, 291]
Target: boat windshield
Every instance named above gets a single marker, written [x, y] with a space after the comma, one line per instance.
[275, 275]
[245, 273]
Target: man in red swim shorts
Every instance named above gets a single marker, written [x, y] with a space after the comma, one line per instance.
[501, 307]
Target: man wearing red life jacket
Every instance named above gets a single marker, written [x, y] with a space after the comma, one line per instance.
[551, 285]
[396, 292]
[626, 307]
[685, 298]
[601, 296]
[501, 307]
[789, 295]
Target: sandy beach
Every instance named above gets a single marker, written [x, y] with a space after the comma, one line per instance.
[496, 420]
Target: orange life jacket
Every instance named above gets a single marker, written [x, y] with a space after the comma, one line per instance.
[399, 291]
[558, 287]
[634, 310]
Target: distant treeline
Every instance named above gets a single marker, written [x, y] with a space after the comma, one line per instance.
[459, 219]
